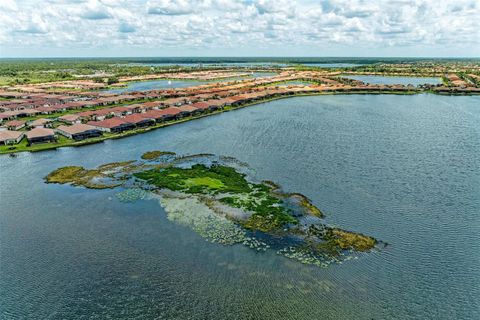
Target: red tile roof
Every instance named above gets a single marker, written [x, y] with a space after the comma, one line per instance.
[170, 111]
[201, 105]
[188, 108]
[135, 118]
[15, 123]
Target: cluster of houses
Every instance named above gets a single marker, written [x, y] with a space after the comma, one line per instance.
[116, 119]
[88, 114]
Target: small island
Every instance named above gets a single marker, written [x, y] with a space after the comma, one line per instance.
[222, 204]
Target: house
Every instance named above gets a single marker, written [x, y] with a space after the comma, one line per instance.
[40, 123]
[188, 110]
[79, 131]
[170, 113]
[70, 118]
[203, 106]
[11, 137]
[40, 135]
[112, 125]
[139, 120]
[97, 115]
[156, 115]
[120, 111]
[15, 124]
[152, 105]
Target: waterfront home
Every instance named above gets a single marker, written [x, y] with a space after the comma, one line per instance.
[156, 115]
[11, 137]
[215, 104]
[79, 131]
[70, 118]
[139, 120]
[202, 106]
[113, 125]
[187, 110]
[40, 123]
[40, 135]
[15, 124]
[170, 113]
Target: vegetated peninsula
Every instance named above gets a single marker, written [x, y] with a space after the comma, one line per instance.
[46, 109]
[217, 199]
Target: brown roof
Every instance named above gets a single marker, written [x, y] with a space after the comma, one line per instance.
[76, 128]
[8, 134]
[40, 132]
[69, 117]
[135, 118]
[170, 111]
[188, 108]
[201, 105]
[15, 123]
[108, 123]
[152, 114]
[40, 122]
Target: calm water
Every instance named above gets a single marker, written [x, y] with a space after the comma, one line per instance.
[217, 64]
[396, 80]
[405, 169]
[155, 85]
[169, 84]
[333, 65]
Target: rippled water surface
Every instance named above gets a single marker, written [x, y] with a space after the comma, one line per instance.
[405, 169]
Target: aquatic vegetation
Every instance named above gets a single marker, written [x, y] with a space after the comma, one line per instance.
[131, 195]
[79, 176]
[197, 179]
[152, 155]
[348, 240]
[213, 197]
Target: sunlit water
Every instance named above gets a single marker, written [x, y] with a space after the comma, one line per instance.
[405, 169]
[396, 80]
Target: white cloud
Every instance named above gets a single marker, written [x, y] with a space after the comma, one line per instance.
[254, 26]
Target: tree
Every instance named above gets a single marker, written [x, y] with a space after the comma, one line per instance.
[112, 80]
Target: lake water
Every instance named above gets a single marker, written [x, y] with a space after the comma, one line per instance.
[396, 80]
[218, 64]
[404, 169]
[333, 65]
[155, 85]
[170, 84]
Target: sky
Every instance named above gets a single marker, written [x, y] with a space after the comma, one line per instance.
[177, 28]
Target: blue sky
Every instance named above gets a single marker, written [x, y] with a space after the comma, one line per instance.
[53, 28]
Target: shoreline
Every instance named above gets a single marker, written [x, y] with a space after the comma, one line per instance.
[71, 143]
